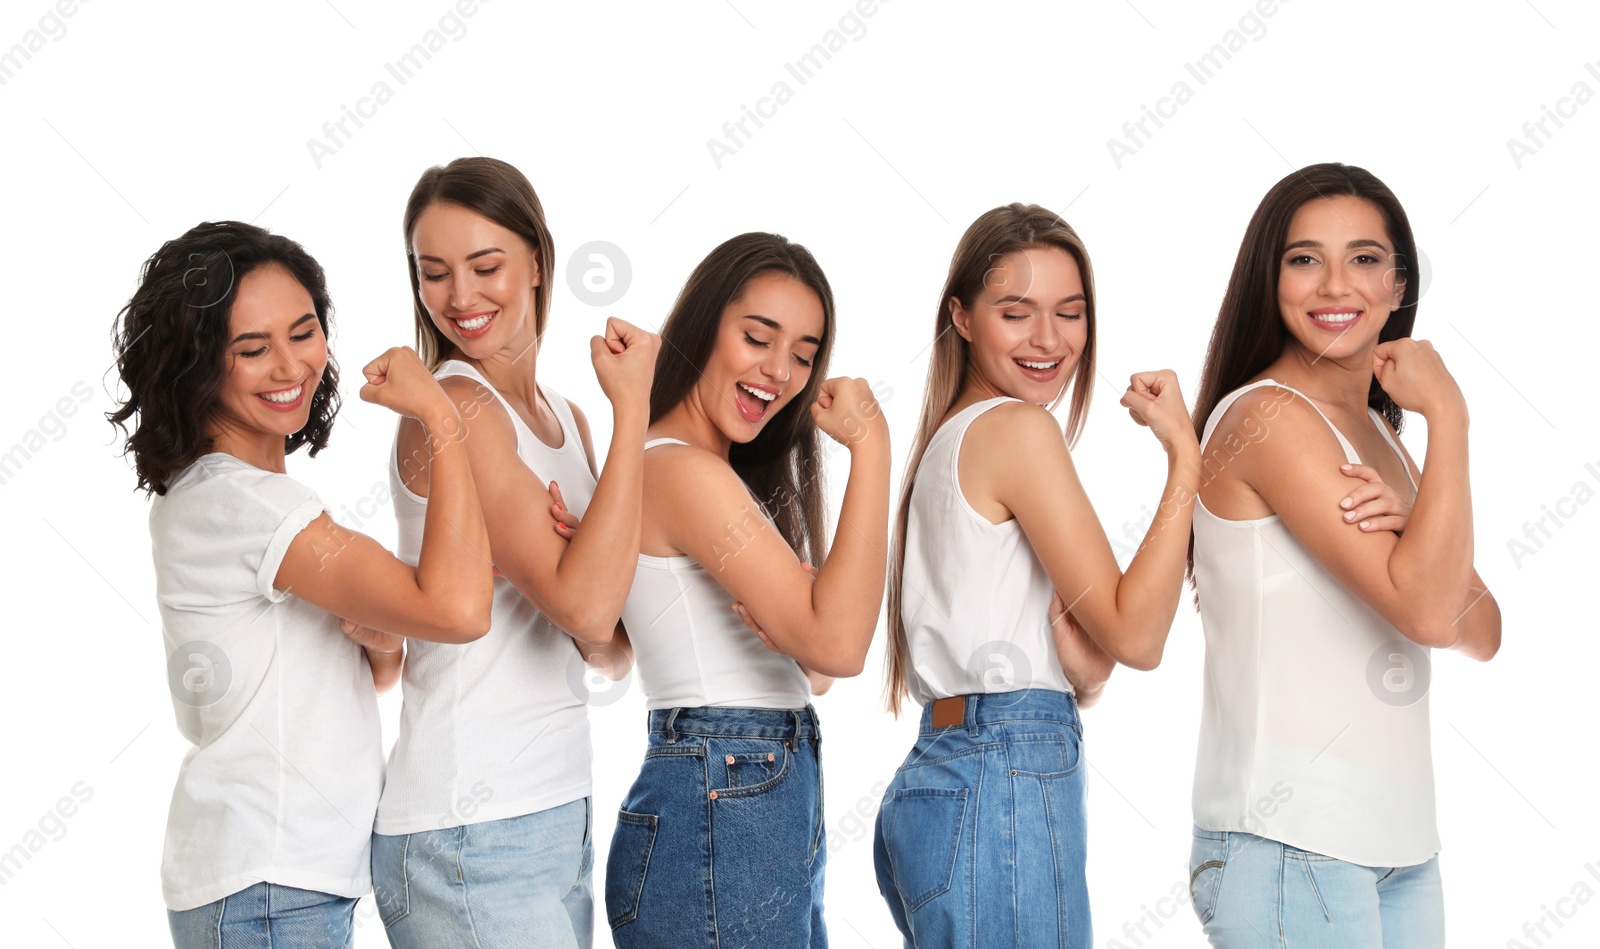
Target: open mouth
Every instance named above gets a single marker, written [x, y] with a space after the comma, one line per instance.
[1039, 370]
[284, 400]
[1337, 319]
[753, 401]
[474, 325]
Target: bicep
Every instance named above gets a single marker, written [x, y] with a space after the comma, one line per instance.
[351, 576]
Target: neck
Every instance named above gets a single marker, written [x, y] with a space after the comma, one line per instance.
[264, 450]
[1343, 381]
[511, 371]
[689, 422]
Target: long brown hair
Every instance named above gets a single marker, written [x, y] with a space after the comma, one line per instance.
[499, 192]
[1249, 333]
[783, 464]
[994, 235]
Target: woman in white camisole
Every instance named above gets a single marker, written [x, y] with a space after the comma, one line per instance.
[981, 836]
[720, 839]
[1313, 794]
[224, 354]
[483, 833]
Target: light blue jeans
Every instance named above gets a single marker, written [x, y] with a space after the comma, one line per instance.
[1253, 892]
[981, 840]
[517, 882]
[265, 916]
[719, 842]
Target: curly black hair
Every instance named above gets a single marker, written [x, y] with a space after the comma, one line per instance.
[171, 342]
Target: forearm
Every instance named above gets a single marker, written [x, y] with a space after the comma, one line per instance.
[848, 593]
[1432, 562]
[596, 570]
[1150, 589]
[454, 566]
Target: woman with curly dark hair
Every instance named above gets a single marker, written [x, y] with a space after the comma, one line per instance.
[224, 353]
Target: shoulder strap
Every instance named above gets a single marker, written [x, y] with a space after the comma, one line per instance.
[664, 441]
[1226, 401]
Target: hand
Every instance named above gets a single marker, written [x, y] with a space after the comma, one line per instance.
[1087, 665]
[1154, 401]
[1373, 505]
[373, 640]
[566, 521]
[1415, 377]
[755, 627]
[847, 412]
[625, 362]
[398, 380]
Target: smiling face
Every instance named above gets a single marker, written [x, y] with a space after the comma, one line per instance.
[766, 341]
[476, 280]
[1027, 326]
[275, 356]
[1337, 281]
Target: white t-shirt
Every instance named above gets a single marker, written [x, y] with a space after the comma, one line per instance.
[1314, 729]
[498, 727]
[691, 648]
[283, 780]
[975, 597]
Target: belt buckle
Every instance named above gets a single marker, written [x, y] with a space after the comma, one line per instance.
[950, 711]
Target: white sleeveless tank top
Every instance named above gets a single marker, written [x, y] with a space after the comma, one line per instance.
[1314, 730]
[691, 650]
[497, 727]
[974, 595]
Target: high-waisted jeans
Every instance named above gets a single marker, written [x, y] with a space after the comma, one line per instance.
[719, 841]
[981, 839]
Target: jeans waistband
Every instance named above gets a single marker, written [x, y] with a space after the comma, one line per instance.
[989, 708]
[716, 722]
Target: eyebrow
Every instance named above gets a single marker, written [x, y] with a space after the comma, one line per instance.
[774, 324]
[1014, 298]
[244, 336]
[475, 254]
[1363, 242]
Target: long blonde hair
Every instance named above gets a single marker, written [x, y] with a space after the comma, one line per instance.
[993, 236]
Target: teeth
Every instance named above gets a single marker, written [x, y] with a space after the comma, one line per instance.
[1038, 365]
[284, 397]
[1335, 317]
[476, 323]
[763, 396]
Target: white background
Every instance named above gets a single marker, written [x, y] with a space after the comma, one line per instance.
[141, 121]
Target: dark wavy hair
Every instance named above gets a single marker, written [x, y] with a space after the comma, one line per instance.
[783, 465]
[171, 344]
[499, 192]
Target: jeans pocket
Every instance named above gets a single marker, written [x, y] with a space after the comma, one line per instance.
[1045, 755]
[740, 767]
[627, 864]
[389, 882]
[1208, 858]
[922, 834]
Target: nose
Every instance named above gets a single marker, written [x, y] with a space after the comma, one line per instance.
[1046, 334]
[1334, 282]
[776, 365]
[462, 294]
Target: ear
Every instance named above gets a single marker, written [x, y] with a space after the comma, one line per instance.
[538, 278]
[1400, 277]
[961, 319]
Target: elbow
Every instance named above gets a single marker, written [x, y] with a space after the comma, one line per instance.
[845, 662]
[1143, 656]
[469, 623]
[590, 627]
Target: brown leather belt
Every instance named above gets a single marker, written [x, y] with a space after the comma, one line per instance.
[950, 711]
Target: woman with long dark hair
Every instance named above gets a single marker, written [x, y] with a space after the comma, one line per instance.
[981, 839]
[720, 839]
[1314, 796]
[224, 353]
[483, 833]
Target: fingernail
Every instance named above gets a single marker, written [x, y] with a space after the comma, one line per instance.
[1350, 515]
[1345, 503]
[1344, 467]
[1365, 525]
[558, 505]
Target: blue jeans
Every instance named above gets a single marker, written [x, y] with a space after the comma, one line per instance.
[719, 842]
[264, 916]
[981, 839]
[521, 881]
[1250, 891]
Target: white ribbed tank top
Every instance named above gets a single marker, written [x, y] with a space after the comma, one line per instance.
[1314, 730]
[691, 650]
[975, 596]
[498, 727]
